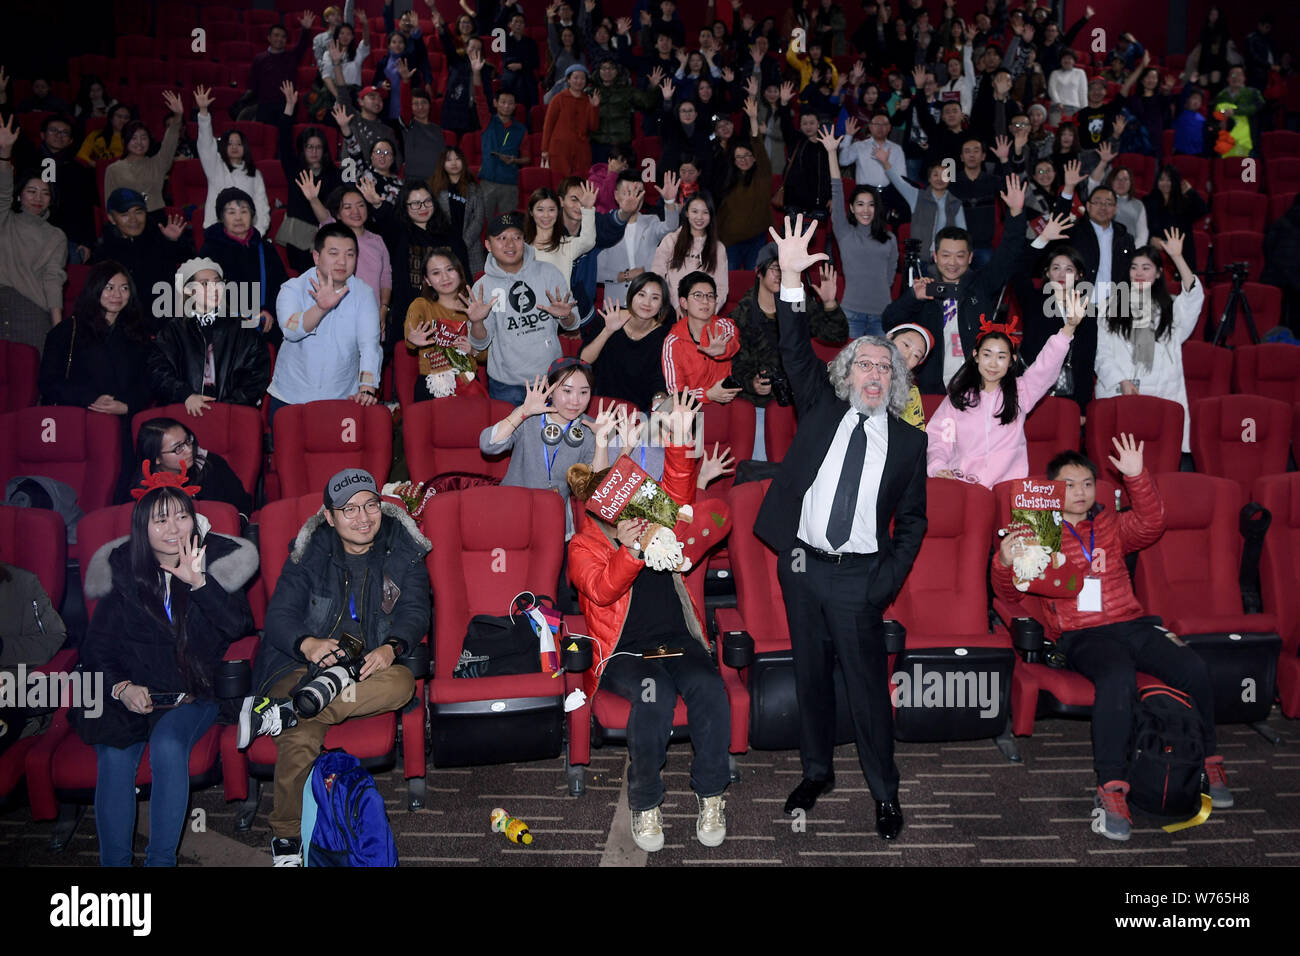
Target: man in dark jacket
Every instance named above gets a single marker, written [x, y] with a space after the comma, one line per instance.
[356, 573]
[807, 183]
[150, 252]
[207, 355]
[74, 184]
[954, 318]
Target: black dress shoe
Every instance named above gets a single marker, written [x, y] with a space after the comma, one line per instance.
[889, 818]
[806, 794]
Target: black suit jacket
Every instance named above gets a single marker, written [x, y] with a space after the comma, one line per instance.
[1084, 239]
[902, 485]
[977, 295]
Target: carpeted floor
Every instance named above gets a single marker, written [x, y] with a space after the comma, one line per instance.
[964, 804]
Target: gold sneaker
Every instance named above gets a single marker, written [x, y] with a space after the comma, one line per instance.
[711, 824]
[648, 829]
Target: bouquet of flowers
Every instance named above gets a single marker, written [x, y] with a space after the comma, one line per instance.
[1038, 505]
[412, 495]
[628, 492]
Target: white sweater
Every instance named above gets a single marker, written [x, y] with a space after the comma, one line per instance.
[1165, 377]
[1068, 88]
[220, 176]
[571, 248]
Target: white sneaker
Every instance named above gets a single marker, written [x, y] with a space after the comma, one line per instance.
[711, 824]
[286, 852]
[259, 716]
[648, 829]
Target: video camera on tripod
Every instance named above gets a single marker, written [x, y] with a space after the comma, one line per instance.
[1238, 272]
[912, 261]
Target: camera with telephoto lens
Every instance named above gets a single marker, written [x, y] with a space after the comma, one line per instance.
[912, 260]
[1238, 270]
[330, 681]
[781, 392]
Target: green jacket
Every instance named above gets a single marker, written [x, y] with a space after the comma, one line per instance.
[758, 339]
[617, 102]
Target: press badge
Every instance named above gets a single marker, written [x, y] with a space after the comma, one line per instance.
[1090, 595]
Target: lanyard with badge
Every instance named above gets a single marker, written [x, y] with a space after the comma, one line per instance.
[1089, 599]
[572, 435]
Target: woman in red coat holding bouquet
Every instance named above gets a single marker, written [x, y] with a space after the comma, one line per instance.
[651, 647]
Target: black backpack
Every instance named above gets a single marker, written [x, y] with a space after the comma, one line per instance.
[1167, 758]
[498, 646]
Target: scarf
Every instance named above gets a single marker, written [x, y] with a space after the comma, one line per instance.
[1144, 336]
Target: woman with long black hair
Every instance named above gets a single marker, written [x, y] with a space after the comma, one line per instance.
[169, 446]
[745, 195]
[309, 153]
[1174, 204]
[170, 603]
[624, 342]
[460, 199]
[694, 247]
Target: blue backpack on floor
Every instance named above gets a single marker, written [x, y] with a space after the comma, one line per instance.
[344, 822]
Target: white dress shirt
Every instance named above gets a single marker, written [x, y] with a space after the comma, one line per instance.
[819, 497]
[1104, 256]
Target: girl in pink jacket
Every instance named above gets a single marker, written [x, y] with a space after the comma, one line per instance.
[977, 434]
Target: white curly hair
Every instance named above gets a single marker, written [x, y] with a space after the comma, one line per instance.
[840, 371]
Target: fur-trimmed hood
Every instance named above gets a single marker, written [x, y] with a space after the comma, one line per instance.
[390, 510]
[232, 562]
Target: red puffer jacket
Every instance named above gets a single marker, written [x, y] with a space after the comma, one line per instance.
[603, 571]
[1117, 534]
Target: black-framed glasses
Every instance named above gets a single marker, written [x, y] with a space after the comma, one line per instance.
[419, 203]
[351, 511]
[704, 296]
[180, 446]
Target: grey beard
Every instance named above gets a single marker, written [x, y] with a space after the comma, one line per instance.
[859, 403]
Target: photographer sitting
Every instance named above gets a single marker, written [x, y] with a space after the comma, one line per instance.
[355, 593]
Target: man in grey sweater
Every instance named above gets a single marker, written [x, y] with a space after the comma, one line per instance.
[514, 309]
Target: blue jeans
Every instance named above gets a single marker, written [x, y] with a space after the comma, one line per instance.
[860, 324]
[514, 394]
[744, 255]
[173, 737]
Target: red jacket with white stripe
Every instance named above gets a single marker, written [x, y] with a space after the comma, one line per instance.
[686, 367]
[1116, 535]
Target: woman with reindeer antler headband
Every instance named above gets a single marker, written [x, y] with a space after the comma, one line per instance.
[171, 601]
[977, 434]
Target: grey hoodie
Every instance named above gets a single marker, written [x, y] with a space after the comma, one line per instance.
[523, 337]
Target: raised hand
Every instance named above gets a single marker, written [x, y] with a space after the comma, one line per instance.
[288, 92]
[680, 418]
[309, 185]
[476, 60]
[192, 564]
[406, 72]
[337, 51]
[559, 304]
[717, 346]
[537, 397]
[326, 295]
[1002, 148]
[366, 186]
[655, 78]
[669, 189]
[851, 128]
[421, 334]
[202, 98]
[1075, 304]
[587, 193]
[594, 96]
[624, 26]
[728, 74]
[307, 19]
[751, 86]
[830, 142]
[1129, 462]
[615, 315]
[918, 77]
[631, 200]
[881, 155]
[174, 103]
[342, 118]
[606, 422]
[827, 287]
[174, 228]
[1073, 174]
[667, 89]
[792, 246]
[1014, 195]
[751, 108]
[1173, 243]
[787, 93]
[1106, 153]
[476, 307]
[1117, 127]
[715, 465]
[1056, 226]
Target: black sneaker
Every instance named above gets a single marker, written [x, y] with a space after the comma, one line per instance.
[263, 715]
[286, 852]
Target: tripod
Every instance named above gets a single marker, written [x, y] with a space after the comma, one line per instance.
[1236, 297]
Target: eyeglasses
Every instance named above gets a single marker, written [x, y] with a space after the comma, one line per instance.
[1101, 202]
[419, 203]
[862, 365]
[351, 511]
[704, 296]
[383, 152]
[180, 446]
[59, 131]
[1019, 125]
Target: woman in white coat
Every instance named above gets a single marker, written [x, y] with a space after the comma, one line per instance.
[1140, 349]
[228, 162]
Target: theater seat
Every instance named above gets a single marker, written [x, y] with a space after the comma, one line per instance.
[1271, 370]
[1207, 370]
[1279, 570]
[1052, 427]
[441, 436]
[35, 540]
[1241, 437]
[232, 431]
[1190, 578]
[19, 369]
[732, 425]
[372, 740]
[80, 448]
[779, 425]
[1156, 421]
[318, 439]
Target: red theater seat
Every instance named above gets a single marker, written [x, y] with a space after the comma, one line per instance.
[1271, 370]
[315, 440]
[80, 448]
[1207, 370]
[1156, 421]
[232, 431]
[1052, 427]
[441, 436]
[35, 540]
[1241, 437]
[1279, 570]
[19, 369]
[732, 425]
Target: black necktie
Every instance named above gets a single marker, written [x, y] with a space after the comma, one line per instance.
[840, 525]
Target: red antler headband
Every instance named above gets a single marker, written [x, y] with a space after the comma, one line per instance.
[162, 479]
[1010, 329]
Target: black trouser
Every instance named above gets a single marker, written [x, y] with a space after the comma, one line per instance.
[1110, 657]
[652, 688]
[830, 617]
[12, 721]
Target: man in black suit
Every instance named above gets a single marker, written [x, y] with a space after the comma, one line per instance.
[853, 467]
[1105, 245]
[954, 319]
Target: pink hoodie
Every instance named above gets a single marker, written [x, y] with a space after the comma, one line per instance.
[975, 443]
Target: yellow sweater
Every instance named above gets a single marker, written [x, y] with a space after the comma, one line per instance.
[914, 411]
